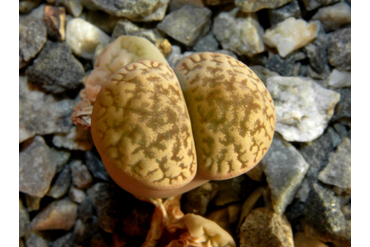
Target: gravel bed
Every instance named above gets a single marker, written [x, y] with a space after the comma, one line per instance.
[298, 195]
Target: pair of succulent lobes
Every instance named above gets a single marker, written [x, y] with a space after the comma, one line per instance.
[162, 132]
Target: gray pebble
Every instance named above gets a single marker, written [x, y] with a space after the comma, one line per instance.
[283, 66]
[316, 53]
[55, 69]
[130, 9]
[81, 176]
[96, 167]
[41, 113]
[24, 220]
[206, 43]
[322, 211]
[314, 4]
[339, 49]
[62, 183]
[288, 10]
[37, 167]
[187, 24]
[343, 108]
[32, 38]
[64, 241]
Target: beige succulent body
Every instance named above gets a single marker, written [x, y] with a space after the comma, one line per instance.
[161, 132]
[142, 130]
[231, 111]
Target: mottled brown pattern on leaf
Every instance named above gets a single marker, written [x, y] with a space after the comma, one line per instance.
[141, 126]
[232, 113]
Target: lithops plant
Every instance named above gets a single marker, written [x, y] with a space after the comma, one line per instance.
[231, 111]
[150, 145]
[124, 50]
[141, 128]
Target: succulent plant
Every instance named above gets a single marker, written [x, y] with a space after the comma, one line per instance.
[161, 132]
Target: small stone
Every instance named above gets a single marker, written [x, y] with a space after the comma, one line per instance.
[32, 107]
[64, 241]
[263, 227]
[338, 170]
[294, 214]
[316, 53]
[164, 46]
[96, 167]
[283, 66]
[322, 211]
[226, 217]
[316, 155]
[187, 24]
[339, 49]
[38, 12]
[105, 206]
[24, 220]
[131, 9]
[305, 121]
[314, 4]
[285, 169]
[197, 200]
[177, 4]
[334, 136]
[301, 240]
[206, 43]
[32, 38]
[338, 79]
[239, 32]
[262, 72]
[255, 5]
[323, 75]
[55, 69]
[34, 240]
[256, 174]
[343, 109]
[74, 7]
[76, 195]
[55, 20]
[76, 139]
[126, 27]
[82, 233]
[102, 20]
[341, 130]
[33, 202]
[83, 37]
[288, 10]
[62, 183]
[291, 35]
[334, 16]
[157, 15]
[58, 215]
[304, 190]
[25, 6]
[37, 167]
[86, 210]
[81, 176]
[232, 190]
[61, 157]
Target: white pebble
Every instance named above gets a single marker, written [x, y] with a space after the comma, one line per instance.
[332, 17]
[303, 108]
[83, 37]
[291, 34]
[339, 79]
